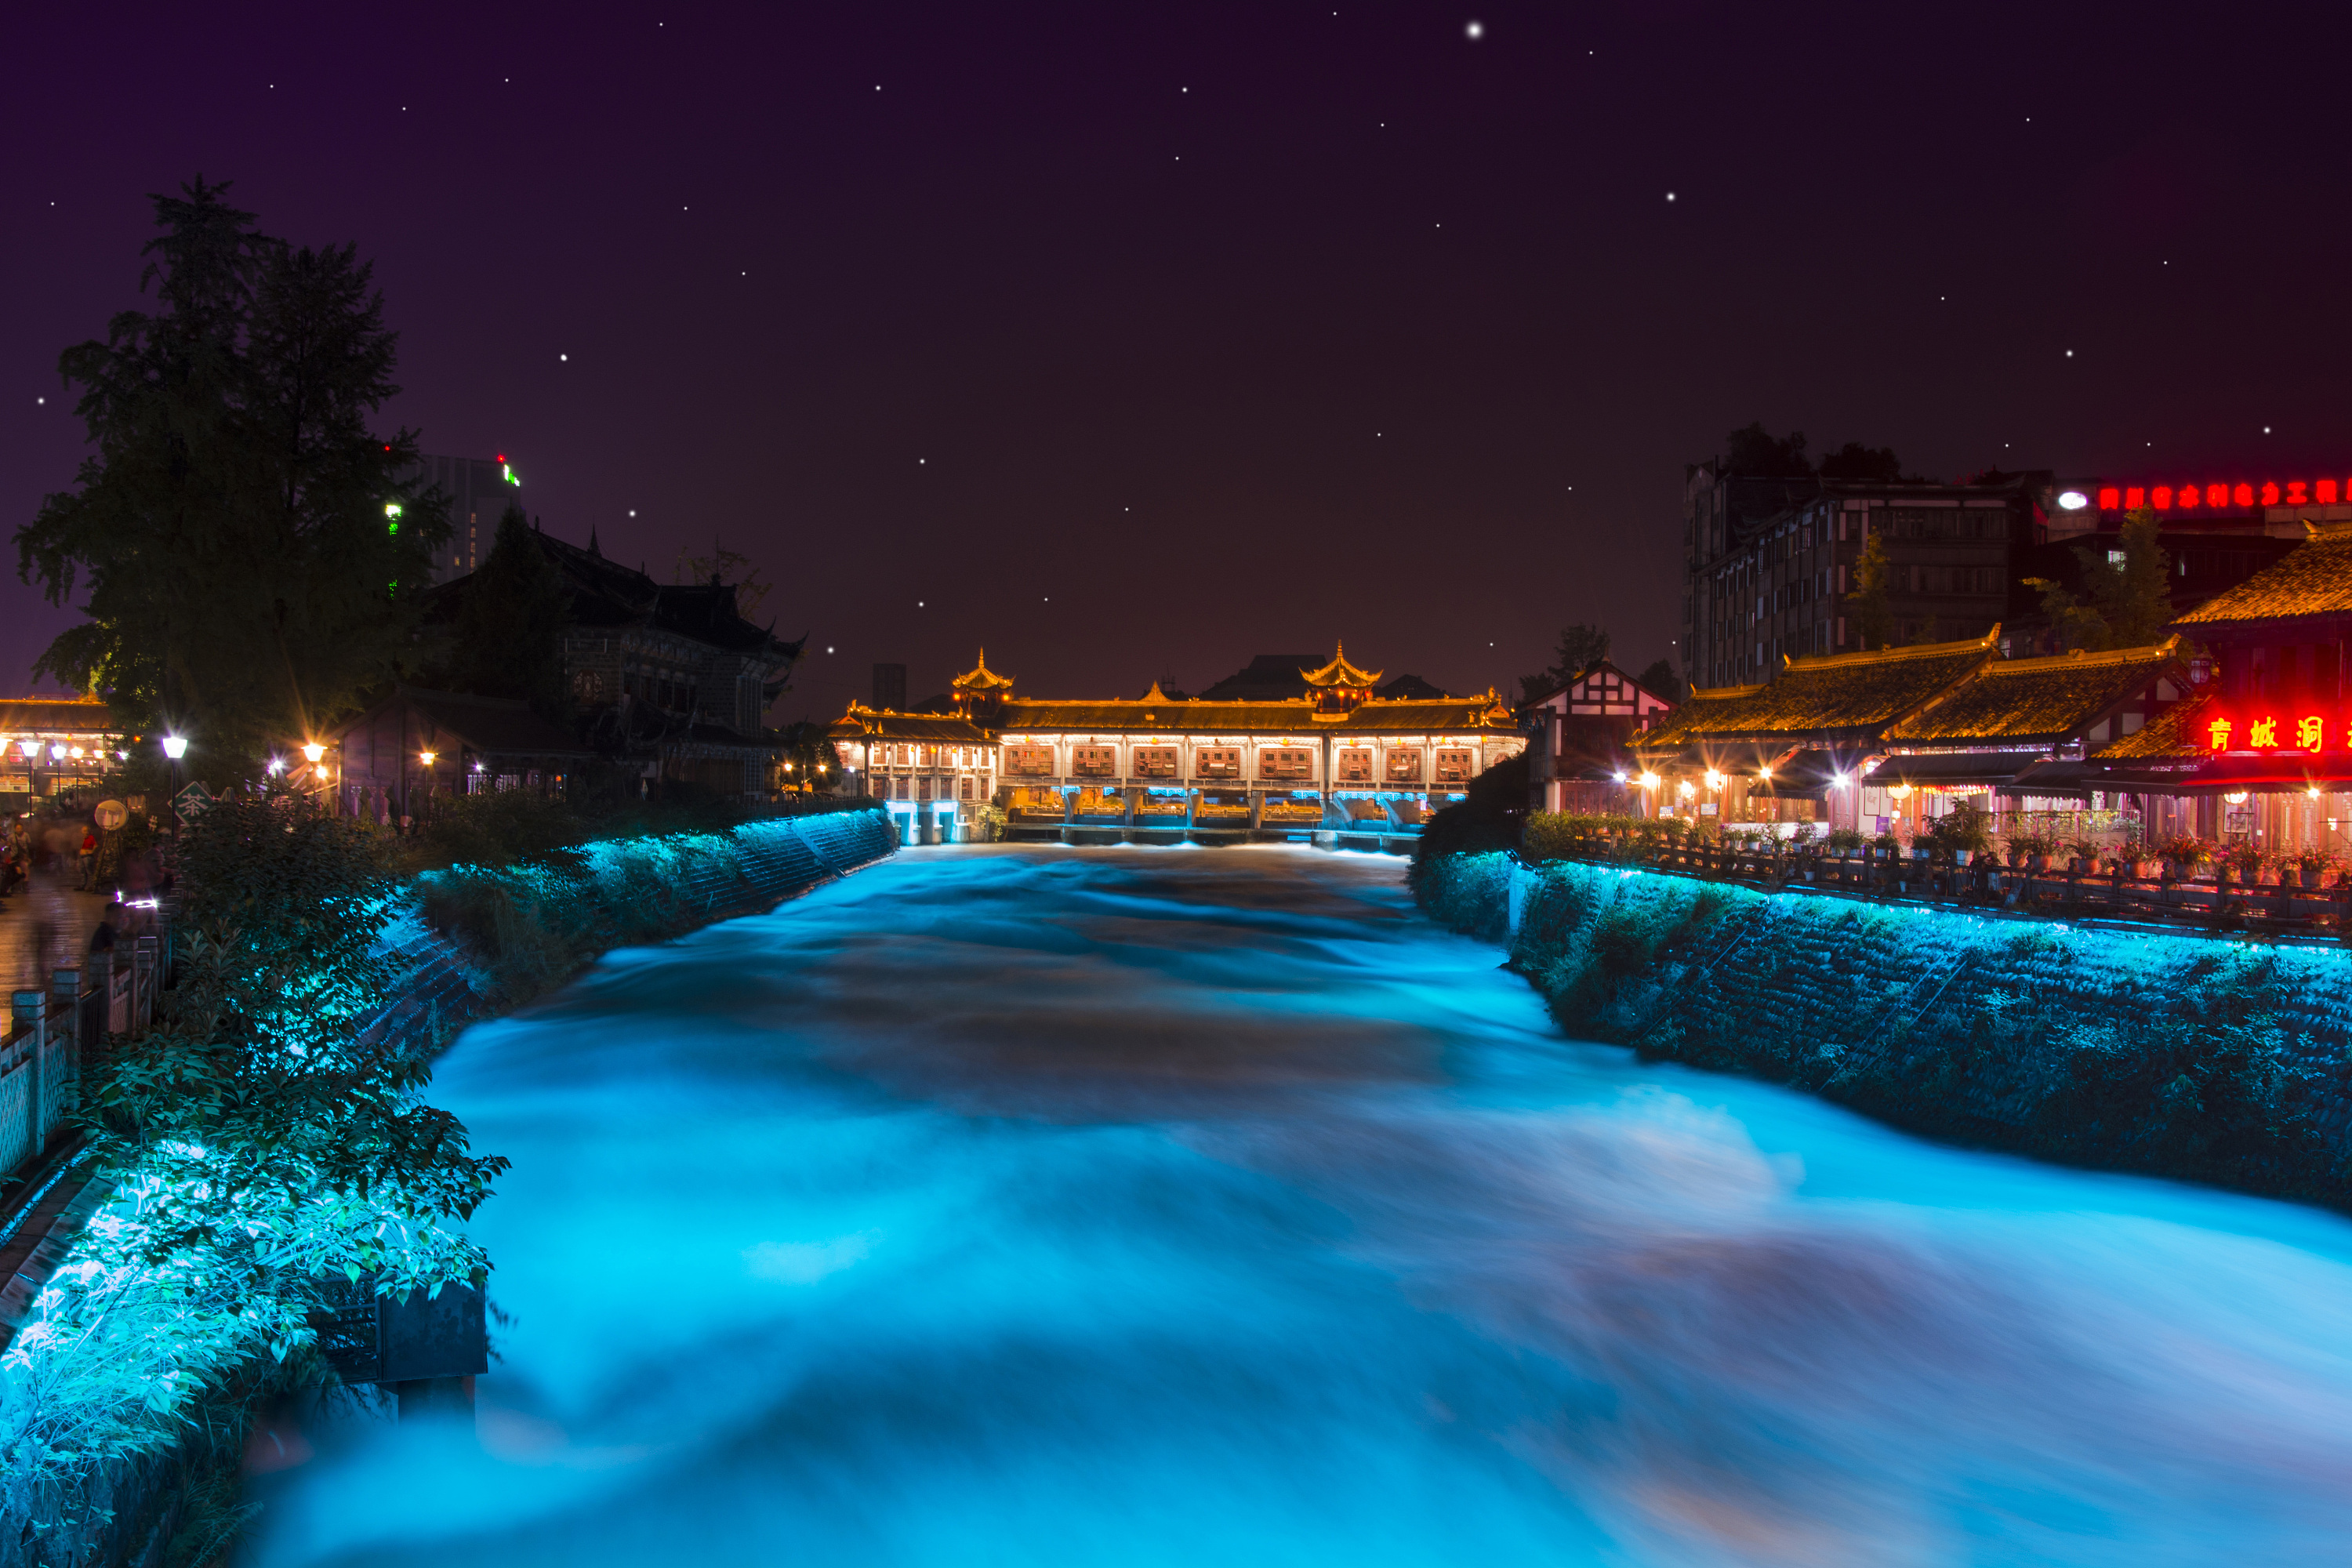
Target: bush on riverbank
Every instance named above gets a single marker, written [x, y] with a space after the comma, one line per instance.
[510, 827]
[530, 927]
[2173, 1056]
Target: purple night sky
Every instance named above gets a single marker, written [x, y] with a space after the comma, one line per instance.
[1132, 342]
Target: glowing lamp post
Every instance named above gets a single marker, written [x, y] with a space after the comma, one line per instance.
[175, 747]
[312, 752]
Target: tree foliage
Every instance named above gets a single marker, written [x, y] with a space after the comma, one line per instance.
[1855, 461]
[1580, 648]
[2129, 602]
[1661, 677]
[1754, 452]
[265, 1156]
[240, 575]
[1874, 618]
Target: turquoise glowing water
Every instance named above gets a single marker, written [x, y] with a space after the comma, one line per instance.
[1183, 1206]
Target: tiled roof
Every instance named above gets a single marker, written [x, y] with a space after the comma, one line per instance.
[1293, 718]
[980, 677]
[1422, 717]
[2175, 732]
[55, 716]
[2036, 699]
[862, 722]
[1829, 694]
[2315, 578]
[1339, 672]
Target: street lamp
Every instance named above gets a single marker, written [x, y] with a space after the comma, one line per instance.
[175, 747]
[312, 752]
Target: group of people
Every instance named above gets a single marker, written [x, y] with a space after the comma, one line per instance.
[35, 843]
[62, 842]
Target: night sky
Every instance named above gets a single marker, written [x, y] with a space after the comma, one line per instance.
[1130, 343]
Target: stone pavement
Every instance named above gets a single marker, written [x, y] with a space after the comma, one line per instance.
[44, 924]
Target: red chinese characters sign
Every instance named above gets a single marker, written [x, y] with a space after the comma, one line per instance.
[2211, 497]
[2282, 729]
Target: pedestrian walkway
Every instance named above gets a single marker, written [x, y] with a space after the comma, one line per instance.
[45, 924]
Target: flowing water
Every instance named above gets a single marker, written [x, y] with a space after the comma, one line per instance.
[1210, 1206]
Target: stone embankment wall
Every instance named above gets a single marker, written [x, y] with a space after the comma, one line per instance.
[2217, 1060]
[474, 942]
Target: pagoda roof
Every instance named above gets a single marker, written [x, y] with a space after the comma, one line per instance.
[1292, 716]
[1853, 695]
[980, 677]
[1339, 672]
[2312, 580]
[862, 722]
[2038, 700]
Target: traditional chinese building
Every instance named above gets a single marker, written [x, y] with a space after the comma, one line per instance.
[2265, 754]
[1874, 739]
[52, 744]
[1580, 742]
[1339, 759]
[669, 681]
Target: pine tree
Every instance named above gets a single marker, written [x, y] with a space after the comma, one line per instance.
[239, 532]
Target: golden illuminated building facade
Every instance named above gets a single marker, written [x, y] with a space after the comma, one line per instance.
[1340, 760]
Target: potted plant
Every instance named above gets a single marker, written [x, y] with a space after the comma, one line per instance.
[2085, 856]
[2033, 849]
[2247, 864]
[1845, 842]
[2182, 854]
[2312, 867]
[1966, 833]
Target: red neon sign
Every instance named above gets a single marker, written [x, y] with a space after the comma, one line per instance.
[2275, 730]
[2186, 496]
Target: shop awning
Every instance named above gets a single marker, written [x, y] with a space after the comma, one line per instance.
[2217, 775]
[1952, 770]
[2052, 778]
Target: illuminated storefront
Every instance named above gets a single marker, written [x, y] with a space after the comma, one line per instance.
[54, 744]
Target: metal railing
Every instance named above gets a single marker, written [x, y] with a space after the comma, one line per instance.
[2199, 898]
[54, 1037]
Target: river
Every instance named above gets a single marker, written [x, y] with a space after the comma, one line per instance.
[1212, 1207]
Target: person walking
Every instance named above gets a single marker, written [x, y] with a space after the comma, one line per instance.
[89, 856]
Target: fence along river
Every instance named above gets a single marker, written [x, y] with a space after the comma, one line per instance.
[1176, 1205]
